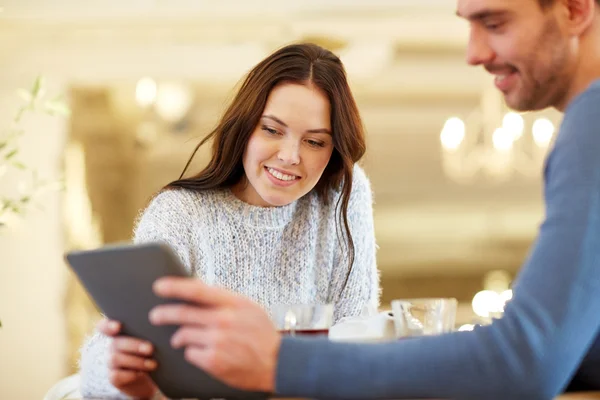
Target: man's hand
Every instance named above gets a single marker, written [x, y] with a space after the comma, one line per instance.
[225, 334]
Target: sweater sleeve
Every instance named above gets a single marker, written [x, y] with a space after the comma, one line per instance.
[547, 329]
[167, 219]
[362, 288]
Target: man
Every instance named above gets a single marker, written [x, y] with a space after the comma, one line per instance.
[543, 53]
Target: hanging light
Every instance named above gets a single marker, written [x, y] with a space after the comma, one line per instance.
[173, 101]
[145, 92]
[494, 142]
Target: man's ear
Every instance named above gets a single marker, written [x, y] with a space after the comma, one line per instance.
[579, 15]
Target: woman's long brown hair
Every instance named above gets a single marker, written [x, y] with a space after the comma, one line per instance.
[302, 63]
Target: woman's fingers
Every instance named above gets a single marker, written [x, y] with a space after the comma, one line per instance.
[126, 361]
[108, 327]
[121, 377]
[126, 344]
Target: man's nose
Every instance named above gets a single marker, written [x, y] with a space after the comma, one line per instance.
[478, 50]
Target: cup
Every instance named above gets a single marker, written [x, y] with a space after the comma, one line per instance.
[303, 319]
[366, 329]
[427, 316]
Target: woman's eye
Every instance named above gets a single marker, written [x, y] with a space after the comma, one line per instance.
[316, 143]
[271, 131]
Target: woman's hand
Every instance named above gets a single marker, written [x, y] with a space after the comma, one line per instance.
[129, 362]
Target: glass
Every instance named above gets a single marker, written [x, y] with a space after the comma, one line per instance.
[418, 317]
[303, 319]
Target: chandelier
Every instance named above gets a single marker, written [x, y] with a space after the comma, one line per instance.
[495, 143]
[488, 304]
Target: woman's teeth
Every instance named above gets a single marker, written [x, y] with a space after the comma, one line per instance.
[280, 176]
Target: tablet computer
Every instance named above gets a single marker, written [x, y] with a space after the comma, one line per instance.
[119, 279]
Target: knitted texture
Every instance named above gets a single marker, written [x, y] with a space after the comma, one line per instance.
[293, 254]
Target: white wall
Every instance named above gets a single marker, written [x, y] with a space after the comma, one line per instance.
[32, 274]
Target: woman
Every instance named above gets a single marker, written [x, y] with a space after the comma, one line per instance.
[281, 213]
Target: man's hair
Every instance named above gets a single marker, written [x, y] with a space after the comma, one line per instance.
[547, 3]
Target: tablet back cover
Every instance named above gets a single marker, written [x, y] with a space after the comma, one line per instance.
[119, 278]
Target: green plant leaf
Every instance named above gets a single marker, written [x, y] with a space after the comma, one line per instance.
[5, 206]
[20, 113]
[25, 95]
[38, 89]
[9, 148]
[19, 165]
[57, 107]
[11, 154]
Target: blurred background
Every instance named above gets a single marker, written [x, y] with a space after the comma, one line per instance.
[456, 177]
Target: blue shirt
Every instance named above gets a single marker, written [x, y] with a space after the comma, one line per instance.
[548, 336]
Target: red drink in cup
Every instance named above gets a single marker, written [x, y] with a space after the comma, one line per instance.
[303, 319]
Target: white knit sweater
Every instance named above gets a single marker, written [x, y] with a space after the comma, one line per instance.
[273, 255]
